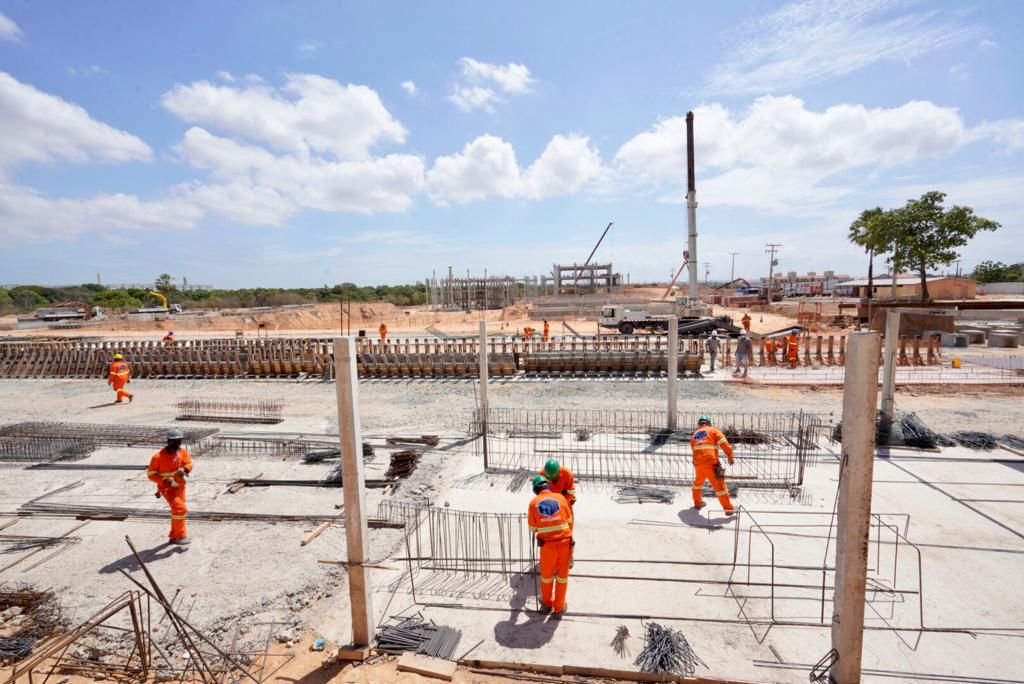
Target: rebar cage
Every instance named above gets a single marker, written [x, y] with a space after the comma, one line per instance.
[771, 449]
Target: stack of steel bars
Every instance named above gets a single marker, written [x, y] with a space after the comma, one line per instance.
[644, 494]
[418, 636]
[101, 435]
[43, 450]
[266, 411]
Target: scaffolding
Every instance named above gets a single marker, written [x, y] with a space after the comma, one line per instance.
[474, 293]
[585, 279]
[771, 449]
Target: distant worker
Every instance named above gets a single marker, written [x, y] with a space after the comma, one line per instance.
[713, 345]
[120, 375]
[547, 331]
[383, 330]
[746, 321]
[561, 479]
[793, 347]
[744, 352]
[169, 339]
[705, 443]
[527, 332]
[550, 520]
[168, 469]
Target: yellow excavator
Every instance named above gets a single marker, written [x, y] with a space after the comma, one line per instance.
[164, 306]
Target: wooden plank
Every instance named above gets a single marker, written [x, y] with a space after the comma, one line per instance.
[315, 533]
[426, 666]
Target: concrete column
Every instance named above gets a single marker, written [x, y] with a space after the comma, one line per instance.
[860, 396]
[673, 370]
[892, 333]
[482, 362]
[360, 593]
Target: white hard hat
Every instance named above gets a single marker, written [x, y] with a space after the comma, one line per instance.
[714, 333]
[175, 433]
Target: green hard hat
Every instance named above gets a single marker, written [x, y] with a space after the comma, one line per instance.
[540, 481]
[551, 469]
[704, 420]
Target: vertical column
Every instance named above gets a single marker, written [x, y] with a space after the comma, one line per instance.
[353, 484]
[892, 333]
[673, 370]
[483, 363]
[860, 396]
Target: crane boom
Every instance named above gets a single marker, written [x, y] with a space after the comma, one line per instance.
[162, 298]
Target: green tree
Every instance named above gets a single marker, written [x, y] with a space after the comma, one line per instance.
[164, 282]
[873, 232]
[922, 234]
[997, 272]
[119, 300]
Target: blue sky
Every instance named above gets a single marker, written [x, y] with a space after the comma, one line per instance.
[303, 143]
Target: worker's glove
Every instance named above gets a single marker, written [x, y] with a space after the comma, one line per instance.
[182, 472]
[719, 471]
[572, 542]
[168, 482]
[157, 494]
[732, 462]
[540, 542]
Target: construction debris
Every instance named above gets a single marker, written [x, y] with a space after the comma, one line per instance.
[428, 440]
[266, 411]
[418, 636]
[1012, 441]
[335, 454]
[666, 651]
[916, 433]
[644, 494]
[403, 463]
[974, 440]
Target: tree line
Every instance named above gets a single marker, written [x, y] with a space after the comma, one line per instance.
[30, 297]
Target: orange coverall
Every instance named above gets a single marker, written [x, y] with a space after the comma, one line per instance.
[527, 332]
[564, 485]
[169, 340]
[792, 349]
[550, 519]
[163, 465]
[547, 331]
[383, 330]
[705, 443]
[746, 322]
[118, 377]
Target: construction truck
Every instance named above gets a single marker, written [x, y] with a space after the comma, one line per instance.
[694, 318]
[163, 308]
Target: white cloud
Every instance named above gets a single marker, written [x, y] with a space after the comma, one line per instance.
[509, 78]
[225, 76]
[986, 45]
[309, 114]
[307, 49]
[410, 88]
[86, 72]
[481, 82]
[28, 216]
[779, 146]
[958, 72]
[8, 29]
[487, 167]
[468, 98]
[285, 184]
[813, 40]
[39, 127]
[1007, 132]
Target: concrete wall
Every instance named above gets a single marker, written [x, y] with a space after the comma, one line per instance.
[1001, 288]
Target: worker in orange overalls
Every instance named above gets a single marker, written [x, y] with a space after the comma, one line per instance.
[547, 331]
[793, 347]
[550, 519]
[705, 443]
[169, 339]
[168, 469]
[746, 322]
[527, 332]
[561, 480]
[120, 375]
[383, 330]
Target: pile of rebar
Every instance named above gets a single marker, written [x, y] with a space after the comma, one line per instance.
[265, 411]
[916, 433]
[618, 642]
[427, 440]
[666, 651]
[334, 454]
[264, 444]
[644, 494]
[883, 430]
[1012, 441]
[102, 435]
[974, 440]
[13, 649]
[43, 450]
[418, 636]
[403, 463]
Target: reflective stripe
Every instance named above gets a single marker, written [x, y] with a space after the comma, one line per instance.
[170, 474]
[705, 447]
[562, 580]
[555, 528]
[548, 580]
[700, 486]
[177, 517]
[151, 472]
[723, 441]
[722, 493]
[532, 528]
[570, 492]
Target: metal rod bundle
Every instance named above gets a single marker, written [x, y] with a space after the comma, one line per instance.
[231, 411]
[642, 494]
[418, 636]
[43, 450]
[102, 435]
[666, 651]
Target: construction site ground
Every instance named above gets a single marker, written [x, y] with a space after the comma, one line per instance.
[961, 508]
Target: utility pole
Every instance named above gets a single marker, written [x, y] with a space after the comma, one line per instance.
[691, 208]
[772, 247]
[732, 269]
[707, 271]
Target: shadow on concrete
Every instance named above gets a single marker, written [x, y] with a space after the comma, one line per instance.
[149, 556]
[694, 518]
[105, 405]
[536, 629]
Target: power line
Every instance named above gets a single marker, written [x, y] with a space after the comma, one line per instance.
[771, 249]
